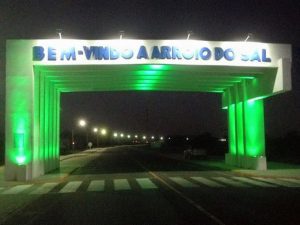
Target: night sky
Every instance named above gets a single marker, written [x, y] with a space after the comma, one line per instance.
[157, 112]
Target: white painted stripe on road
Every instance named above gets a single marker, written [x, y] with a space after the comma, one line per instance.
[207, 182]
[146, 183]
[44, 189]
[283, 183]
[183, 182]
[70, 187]
[121, 185]
[230, 182]
[96, 185]
[17, 189]
[254, 182]
[291, 180]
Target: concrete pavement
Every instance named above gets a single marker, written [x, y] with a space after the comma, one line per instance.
[110, 188]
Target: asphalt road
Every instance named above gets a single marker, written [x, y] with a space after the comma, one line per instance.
[135, 186]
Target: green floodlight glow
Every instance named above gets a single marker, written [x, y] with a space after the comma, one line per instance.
[147, 79]
[21, 160]
[19, 147]
[156, 67]
[148, 72]
[19, 141]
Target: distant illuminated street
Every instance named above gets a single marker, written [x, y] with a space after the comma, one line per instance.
[135, 185]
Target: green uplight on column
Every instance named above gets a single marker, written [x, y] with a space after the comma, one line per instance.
[20, 153]
[19, 147]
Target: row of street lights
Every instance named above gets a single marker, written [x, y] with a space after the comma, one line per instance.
[115, 135]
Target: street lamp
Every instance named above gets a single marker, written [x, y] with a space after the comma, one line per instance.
[82, 123]
[103, 132]
[96, 132]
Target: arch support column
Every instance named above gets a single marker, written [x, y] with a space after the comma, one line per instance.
[246, 133]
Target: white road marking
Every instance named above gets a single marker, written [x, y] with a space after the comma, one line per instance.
[254, 182]
[72, 186]
[183, 182]
[280, 182]
[96, 185]
[146, 183]
[121, 184]
[45, 188]
[207, 182]
[17, 189]
[230, 182]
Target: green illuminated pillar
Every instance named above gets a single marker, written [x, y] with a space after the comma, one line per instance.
[254, 132]
[246, 132]
[18, 154]
[232, 129]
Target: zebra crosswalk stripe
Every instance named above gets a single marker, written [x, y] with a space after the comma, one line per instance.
[146, 183]
[96, 185]
[254, 182]
[17, 189]
[283, 183]
[72, 186]
[183, 182]
[121, 185]
[230, 182]
[44, 189]
[207, 182]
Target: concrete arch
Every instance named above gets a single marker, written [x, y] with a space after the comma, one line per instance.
[34, 88]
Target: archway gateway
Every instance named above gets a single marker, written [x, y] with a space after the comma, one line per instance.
[38, 71]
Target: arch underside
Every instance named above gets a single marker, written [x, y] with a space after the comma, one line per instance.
[51, 81]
